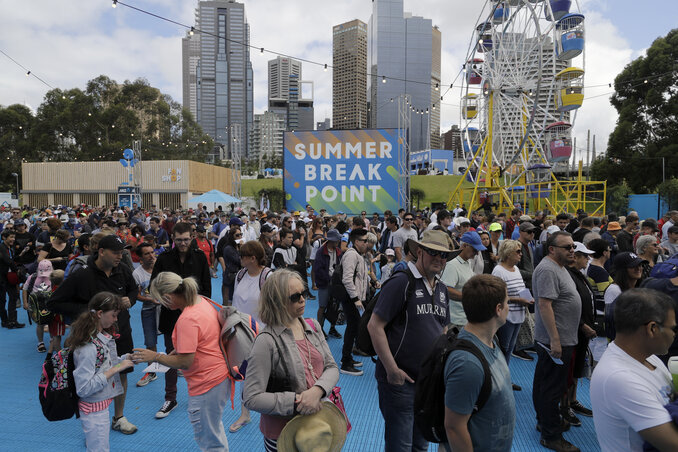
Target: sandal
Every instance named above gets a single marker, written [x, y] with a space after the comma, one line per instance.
[41, 347]
[238, 425]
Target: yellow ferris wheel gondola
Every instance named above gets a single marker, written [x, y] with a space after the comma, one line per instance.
[469, 106]
[570, 86]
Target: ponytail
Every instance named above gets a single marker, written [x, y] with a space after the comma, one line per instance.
[171, 283]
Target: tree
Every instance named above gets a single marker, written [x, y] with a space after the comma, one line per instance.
[16, 124]
[668, 191]
[646, 97]
[618, 198]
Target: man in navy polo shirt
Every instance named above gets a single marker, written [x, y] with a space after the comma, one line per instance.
[414, 326]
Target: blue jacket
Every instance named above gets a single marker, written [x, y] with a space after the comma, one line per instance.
[321, 266]
[90, 382]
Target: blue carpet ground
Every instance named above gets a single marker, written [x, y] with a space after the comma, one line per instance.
[25, 429]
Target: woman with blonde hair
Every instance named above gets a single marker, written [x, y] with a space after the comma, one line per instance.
[290, 368]
[196, 338]
[510, 253]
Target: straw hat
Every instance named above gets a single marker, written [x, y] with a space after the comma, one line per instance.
[433, 240]
[324, 431]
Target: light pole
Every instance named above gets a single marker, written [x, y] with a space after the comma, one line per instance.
[17, 187]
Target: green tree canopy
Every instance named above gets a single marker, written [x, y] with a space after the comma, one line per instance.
[97, 124]
[646, 97]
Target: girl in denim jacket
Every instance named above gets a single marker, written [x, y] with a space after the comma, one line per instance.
[97, 366]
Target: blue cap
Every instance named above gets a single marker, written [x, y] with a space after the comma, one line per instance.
[340, 213]
[236, 221]
[473, 239]
[333, 235]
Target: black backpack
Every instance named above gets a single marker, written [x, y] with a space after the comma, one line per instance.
[429, 396]
[363, 338]
[56, 389]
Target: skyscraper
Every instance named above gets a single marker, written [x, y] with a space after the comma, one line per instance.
[217, 72]
[434, 110]
[349, 76]
[400, 61]
[266, 136]
[285, 93]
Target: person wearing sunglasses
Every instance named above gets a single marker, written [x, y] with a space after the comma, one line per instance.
[290, 368]
[631, 386]
[557, 316]
[406, 232]
[409, 326]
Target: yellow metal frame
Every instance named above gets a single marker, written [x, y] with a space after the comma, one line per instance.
[563, 196]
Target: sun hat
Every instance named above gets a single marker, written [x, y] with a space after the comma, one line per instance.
[333, 235]
[614, 226]
[581, 248]
[322, 431]
[433, 240]
[472, 238]
[495, 227]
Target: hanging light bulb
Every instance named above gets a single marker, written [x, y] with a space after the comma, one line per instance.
[115, 3]
[325, 67]
[437, 87]
[28, 73]
[261, 50]
[383, 79]
[191, 31]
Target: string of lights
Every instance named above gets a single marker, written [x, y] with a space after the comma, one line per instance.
[28, 72]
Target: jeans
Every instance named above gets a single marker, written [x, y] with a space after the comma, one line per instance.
[508, 335]
[9, 314]
[150, 326]
[96, 427]
[323, 297]
[352, 323]
[396, 404]
[548, 388]
[171, 375]
[205, 412]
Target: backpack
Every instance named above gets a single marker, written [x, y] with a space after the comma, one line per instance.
[56, 389]
[363, 338]
[37, 306]
[429, 395]
[238, 331]
[665, 270]
[337, 288]
[262, 276]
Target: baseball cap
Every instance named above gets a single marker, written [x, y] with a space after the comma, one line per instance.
[20, 223]
[112, 242]
[389, 252]
[473, 239]
[236, 222]
[553, 229]
[626, 260]
[527, 227]
[267, 228]
[340, 213]
[44, 268]
[495, 227]
[200, 228]
[333, 235]
[613, 226]
[581, 248]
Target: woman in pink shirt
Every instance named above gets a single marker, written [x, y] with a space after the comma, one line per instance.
[196, 340]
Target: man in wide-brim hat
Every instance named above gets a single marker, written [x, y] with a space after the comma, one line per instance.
[322, 431]
[416, 316]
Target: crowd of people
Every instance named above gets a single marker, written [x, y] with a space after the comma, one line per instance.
[582, 295]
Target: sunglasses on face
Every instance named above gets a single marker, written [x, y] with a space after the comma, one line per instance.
[436, 253]
[409, 219]
[237, 235]
[565, 247]
[296, 297]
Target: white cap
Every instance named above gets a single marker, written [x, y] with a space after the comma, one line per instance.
[552, 229]
[581, 248]
[389, 252]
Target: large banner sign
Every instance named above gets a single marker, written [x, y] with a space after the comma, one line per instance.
[342, 170]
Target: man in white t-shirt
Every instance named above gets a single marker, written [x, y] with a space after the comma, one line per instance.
[630, 385]
[150, 311]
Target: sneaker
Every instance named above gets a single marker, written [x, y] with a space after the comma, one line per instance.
[147, 378]
[357, 351]
[334, 333]
[357, 363]
[564, 426]
[15, 325]
[559, 444]
[569, 416]
[166, 408]
[522, 354]
[580, 409]
[350, 370]
[41, 347]
[123, 426]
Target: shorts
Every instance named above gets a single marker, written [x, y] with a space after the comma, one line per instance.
[57, 327]
[323, 297]
[124, 342]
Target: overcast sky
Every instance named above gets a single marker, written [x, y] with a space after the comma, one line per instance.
[69, 42]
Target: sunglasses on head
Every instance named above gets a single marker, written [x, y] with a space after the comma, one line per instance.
[296, 297]
[436, 253]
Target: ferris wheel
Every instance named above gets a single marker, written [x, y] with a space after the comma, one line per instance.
[522, 86]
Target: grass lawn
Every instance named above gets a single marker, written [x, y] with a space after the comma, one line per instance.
[436, 188]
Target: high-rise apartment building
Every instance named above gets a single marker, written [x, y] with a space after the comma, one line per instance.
[217, 73]
[451, 141]
[400, 62]
[285, 94]
[349, 76]
[266, 136]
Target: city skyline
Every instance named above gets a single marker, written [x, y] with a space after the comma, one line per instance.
[125, 44]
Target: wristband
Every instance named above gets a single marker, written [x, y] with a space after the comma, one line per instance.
[355, 299]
